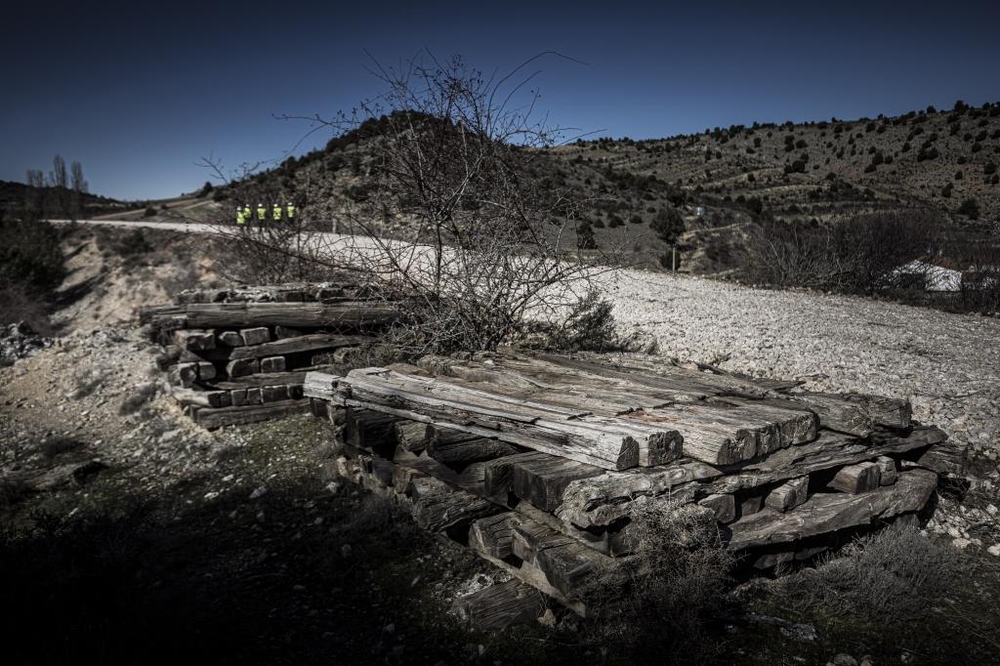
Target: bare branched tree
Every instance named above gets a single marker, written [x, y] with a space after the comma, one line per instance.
[450, 214]
[35, 180]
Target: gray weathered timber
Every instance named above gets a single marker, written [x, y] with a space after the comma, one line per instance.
[721, 435]
[187, 396]
[829, 451]
[437, 512]
[669, 378]
[887, 470]
[788, 495]
[794, 424]
[343, 314]
[751, 504]
[598, 501]
[257, 335]
[183, 374]
[344, 287]
[276, 393]
[722, 506]
[526, 378]
[210, 418]
[370, 430]
[247, 366]
[586, 439]
[457, 448]
[499, 473]
[949, 458]
[469, 479]
[860, 478]
[853, 413]
[238, 396]
[206, 372]
[526, 571]
[231, 339]
[576, 570]
[320, 385]
[272, 364]
[500, 606]
[829, 512]
[411, 435]
[542, 481]
[493, 535]
[295, 345]
[194, 339]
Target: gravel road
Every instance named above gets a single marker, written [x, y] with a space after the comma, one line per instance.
[946, 364]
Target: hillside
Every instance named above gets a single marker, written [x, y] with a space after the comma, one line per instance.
[943, 163]
[51, 201]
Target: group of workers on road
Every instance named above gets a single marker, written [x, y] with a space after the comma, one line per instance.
[246, 214]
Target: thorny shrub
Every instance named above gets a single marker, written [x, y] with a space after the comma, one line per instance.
[678, 586]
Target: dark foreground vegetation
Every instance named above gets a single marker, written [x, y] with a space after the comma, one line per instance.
[263, 560]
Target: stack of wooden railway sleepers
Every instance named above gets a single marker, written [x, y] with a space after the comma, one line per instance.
[241, 355]
[543, 464]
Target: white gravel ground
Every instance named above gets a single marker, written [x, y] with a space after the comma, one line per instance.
[946, 364]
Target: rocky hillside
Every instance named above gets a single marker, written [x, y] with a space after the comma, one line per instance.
[720, 181]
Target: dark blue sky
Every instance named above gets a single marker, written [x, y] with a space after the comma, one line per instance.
[139, 95]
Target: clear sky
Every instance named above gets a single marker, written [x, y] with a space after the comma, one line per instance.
[140, 92]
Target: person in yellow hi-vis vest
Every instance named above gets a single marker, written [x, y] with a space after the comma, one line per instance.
[239, 215]
[261, 212]
[247, 213]
[276, 213]
[290, 210]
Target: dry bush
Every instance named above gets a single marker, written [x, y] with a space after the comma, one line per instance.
[981, 283]
[678, 588]
[19, 305]
[895, 574]
[854, 256]
[485, 248]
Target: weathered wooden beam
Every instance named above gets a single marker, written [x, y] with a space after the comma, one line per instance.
[344, 314]
[295, 345]
[829, 512]
[829, 451]
[860, 478]
[371, 431]
[231, 339]
[788, 495]
[599, 501]
[853, 413]
[499, 473]
[436, 512]
[257, 335]
[500, 606]
[457, 448]
[210, 418]
[542, 480]
[948, 457]
[722, 506]
[412, 435]
[493, 535]
[544, 429]
[194, 339]
[469, 479]
[670, 379]
[187, 396]
[887, 470]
